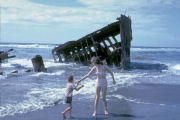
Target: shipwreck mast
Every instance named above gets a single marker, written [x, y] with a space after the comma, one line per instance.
[126, 37]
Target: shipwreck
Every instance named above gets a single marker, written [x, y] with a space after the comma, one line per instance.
[4, 55]
[101, 43]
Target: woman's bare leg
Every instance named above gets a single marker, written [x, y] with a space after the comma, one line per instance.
[98, 89]
[104, 89]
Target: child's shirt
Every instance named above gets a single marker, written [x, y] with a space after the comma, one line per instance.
[69, 89]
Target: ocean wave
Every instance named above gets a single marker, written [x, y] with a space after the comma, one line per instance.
[36, 99]
[46, 73]
[138, 101]
[27, 46]
[88, 89]
[2, 77]
[149, 66]
[6, 65]
[52, 64]
[139, 57]
[175, 69]
[156, 49]
[22, 62]
[28, 63]
[125, 79]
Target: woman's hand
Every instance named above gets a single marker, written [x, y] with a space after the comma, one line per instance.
[78, 82]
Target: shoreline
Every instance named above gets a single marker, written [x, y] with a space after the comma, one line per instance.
[139, 102]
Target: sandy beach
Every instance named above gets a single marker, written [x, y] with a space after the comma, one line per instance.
[137, 102]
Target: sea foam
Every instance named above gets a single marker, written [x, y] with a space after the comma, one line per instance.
[36, 99]
[22, 62]
[27, 46]
[175, 69]
[155, 49]
[46, 73]
[52, 64]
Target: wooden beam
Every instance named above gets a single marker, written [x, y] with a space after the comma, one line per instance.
[126, 37]
[94, 45]
[111, 43]
[90, 51]
[114, 39]
[84, 51]
[107, 48]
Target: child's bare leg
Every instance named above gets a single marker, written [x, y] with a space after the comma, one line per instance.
[63, 114]
[98, 89]
[70, 106]
[68, 109]
[104, 89]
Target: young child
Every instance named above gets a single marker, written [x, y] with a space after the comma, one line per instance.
[68, 96]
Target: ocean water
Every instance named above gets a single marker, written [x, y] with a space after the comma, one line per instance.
[23, 92]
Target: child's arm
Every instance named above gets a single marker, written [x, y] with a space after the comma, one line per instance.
[77, 89]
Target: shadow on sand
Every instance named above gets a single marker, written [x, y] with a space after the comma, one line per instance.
[111, 116]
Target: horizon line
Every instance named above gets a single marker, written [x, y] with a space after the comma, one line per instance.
[60, 44]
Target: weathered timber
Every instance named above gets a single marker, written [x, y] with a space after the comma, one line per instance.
[101, 43]
[126, 37]
[38, 64]
[29, 70]
[5, 55]
[1, 73]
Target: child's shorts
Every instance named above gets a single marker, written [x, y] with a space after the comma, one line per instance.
[68, 100]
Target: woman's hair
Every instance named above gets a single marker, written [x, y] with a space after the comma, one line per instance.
[70, 78]
[93, 59]
[98, 61]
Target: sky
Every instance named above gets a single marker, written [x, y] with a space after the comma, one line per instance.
[155, 23]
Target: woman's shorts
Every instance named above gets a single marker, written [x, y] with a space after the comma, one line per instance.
[68, 100]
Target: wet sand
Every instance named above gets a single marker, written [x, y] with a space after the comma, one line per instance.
[137, 102]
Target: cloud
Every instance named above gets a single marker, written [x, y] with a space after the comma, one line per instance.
[128, 4]
[93, 15]
[24, 11]
[103, 11]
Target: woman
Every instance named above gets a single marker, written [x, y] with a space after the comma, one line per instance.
[101, 82]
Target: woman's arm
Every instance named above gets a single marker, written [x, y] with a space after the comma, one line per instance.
[77, 89]
[112, 75]
[87, 75]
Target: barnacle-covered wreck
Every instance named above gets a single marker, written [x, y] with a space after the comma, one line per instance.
[101, 43]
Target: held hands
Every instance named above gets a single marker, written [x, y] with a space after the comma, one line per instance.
[78, 82]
